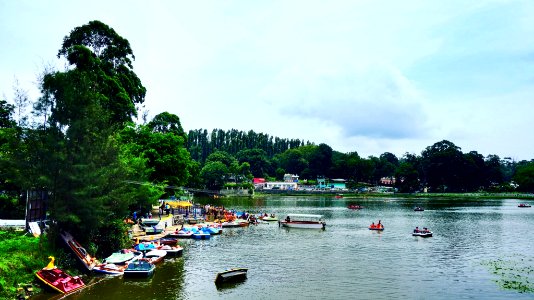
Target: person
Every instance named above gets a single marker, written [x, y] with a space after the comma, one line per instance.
[288, 219]
[134, 217]
[373, 226]
[379, 225]
[167, 208]
[416, 230]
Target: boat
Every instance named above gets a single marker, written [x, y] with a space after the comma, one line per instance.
[422, 233]
[230, 224]
[58, 279]
[140, 268]
[271, 218]
[303, 221]
[523, 205]
[231, 275]
[167, 240]
[377, 227]
[181, 234]
[418, 208]
[355, 206]
[149, 222]
[339, 196]
[81, 254]
[199, 234]
[155, 256]
[117, 262]
[123, 256]
[171, 250]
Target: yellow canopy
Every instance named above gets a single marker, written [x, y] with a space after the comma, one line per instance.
[180, 203]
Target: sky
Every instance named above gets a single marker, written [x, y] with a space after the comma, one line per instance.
[360, 76]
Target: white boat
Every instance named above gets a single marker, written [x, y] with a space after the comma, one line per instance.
[303, 221]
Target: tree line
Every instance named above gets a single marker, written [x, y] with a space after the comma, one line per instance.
[79, 144]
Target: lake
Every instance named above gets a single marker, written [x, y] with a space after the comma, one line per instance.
[348, 261]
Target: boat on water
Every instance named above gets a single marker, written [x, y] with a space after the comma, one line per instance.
[377, 227]
[140, 268]
[81, 254]
[355, 206]
[199, 234]
[422, 232]
[171, 250]
[339, 196]
[303, 221]
[181, 234]
[418, 208]
[271, 218]
[116, 263]
[155, 256]
[58, 279]
[523, 205]
[231, 275]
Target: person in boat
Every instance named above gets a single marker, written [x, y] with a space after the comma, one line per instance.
[379, 225]
[288, 219]
[372, 225]
[425, 230]
[416, 230]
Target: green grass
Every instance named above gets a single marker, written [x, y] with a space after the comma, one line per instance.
[20, 257]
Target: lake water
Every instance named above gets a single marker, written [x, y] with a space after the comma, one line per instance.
[348, 261]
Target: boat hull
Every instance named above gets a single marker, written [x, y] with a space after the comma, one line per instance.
[422, 234]
[81, 254]
[60, 281]
[305, 225]
[140, 268]
[232, 275]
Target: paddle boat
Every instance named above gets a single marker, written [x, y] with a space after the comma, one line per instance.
[422, 233]
[270, 218]
[81, 254]
[181, 234]
[140, 268]
[155, 256]
[231, 275]
[199, 234]
[377, 227]
[59, 280]
[523, 205]
[116, 263]
[303, 221]
[355, 206]
[171, 250]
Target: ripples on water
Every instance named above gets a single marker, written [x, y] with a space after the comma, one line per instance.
[346, 261]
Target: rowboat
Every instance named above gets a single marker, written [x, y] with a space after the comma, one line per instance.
[59, 280]
[81, 254]
[155, 256]
[303, 221]
[231, 275]
[140, 268]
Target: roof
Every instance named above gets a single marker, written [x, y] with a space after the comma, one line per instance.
[304, 216]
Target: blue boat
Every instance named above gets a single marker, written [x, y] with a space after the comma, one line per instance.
[140, 268]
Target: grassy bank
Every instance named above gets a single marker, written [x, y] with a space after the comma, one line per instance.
[21, 255]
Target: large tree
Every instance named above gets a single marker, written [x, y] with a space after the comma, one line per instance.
[91, 177]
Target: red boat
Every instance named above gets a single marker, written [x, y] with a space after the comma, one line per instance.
[523, 205]
[59, 280]
[355, 206]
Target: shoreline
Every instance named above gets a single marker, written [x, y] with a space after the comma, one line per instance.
[399, 195]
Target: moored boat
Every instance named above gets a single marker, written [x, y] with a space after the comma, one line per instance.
[155, 256]
[140, 268]
[303, 221]
[81, 254]
[116, 263]
[171, 250]
[59, 280]
[181, 234]
[231, 275]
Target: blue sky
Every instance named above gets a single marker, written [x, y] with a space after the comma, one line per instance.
[365, 76]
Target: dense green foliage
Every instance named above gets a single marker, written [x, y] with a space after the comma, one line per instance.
[20, 256]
